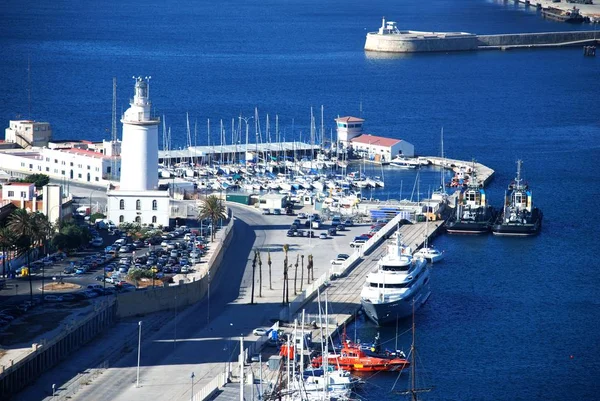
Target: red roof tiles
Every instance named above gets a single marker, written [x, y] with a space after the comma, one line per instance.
[375, 140]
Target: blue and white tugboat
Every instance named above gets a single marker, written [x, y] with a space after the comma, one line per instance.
[519, 217]
[473, 213]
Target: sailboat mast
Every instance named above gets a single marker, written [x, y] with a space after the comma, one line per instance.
[413, 369]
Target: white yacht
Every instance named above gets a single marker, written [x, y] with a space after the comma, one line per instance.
[400, 278]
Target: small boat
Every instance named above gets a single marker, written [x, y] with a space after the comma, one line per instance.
[519, 217]
[430, 254]
[403, 162]
[352, 357]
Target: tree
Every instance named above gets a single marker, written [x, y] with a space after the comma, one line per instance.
[7, 240]
[97, 216]
[269, 263]
[39, 180]
[286, 247]
[20, 222]
[259, 275]
[212, 208]
[253, 271]
[302, 274]
[309, 269]
[71, 236]
[296, 273]
[42, 230]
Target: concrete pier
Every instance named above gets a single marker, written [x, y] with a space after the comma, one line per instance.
[539, 39]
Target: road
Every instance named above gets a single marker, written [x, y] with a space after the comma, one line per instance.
[185, 343]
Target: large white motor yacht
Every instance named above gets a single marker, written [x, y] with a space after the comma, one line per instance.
[400, 278]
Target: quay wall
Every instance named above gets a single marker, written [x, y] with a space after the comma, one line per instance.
[42, 357]
[540, 38]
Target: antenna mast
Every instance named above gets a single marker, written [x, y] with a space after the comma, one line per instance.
[29, 86]
[113, 138]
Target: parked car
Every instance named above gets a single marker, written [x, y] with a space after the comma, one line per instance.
[357, 243]
[68, 297]
[266, 211]
[342, 256]
[277, 211]
[332, 231]
[97, 242]
[323, 235]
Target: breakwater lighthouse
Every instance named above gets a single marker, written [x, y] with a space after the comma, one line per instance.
[138, 199]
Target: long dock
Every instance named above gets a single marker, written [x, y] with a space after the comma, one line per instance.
[344, 284]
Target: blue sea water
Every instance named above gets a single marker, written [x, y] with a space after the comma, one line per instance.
[508, 318]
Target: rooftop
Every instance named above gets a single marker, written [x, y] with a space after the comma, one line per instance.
[375, 140]
[349, 119]
[20, 184]
[84, 152]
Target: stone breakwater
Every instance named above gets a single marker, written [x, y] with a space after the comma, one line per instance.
[417, 42]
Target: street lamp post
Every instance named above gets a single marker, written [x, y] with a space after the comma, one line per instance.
[192, 377]
[53, 390]
[208, 300]
[246, 119]
[137, 382]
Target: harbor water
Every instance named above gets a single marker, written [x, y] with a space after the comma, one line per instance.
[508, 318]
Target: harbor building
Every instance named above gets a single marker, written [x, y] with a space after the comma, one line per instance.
[351, 136]
[28, 134]
[347, 129]
[381, 148]
[137, 198]
[78, 161]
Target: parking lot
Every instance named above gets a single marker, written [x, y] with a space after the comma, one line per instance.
[103, 270]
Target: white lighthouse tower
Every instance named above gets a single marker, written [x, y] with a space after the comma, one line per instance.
[138, 198]
[139, 148]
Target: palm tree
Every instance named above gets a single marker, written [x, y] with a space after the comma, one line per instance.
[302, 274]
[212, 208]
[253, 270]
[296, 273]
[269, 262]
[21, 223]
[259, 275]
[42, 230]
[7, 240]
[286, 248]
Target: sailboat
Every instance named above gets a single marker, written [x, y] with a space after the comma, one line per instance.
[413, 391]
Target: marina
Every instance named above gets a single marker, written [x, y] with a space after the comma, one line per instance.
[500, 310]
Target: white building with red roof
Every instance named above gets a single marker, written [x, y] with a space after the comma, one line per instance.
[81, 162]
[351, 136]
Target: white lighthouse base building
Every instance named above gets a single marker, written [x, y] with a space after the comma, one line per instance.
[142, 207]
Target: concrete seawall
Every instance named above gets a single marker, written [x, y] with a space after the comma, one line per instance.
[572, 38]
